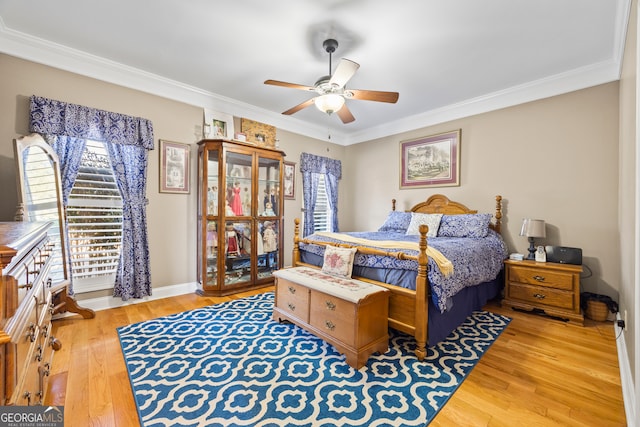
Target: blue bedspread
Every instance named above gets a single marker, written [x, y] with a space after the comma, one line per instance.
[475, 260]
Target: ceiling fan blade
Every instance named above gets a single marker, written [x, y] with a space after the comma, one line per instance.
[373, 95]
[285, 84]
[299, 107]
[344, 71]
[345, 114]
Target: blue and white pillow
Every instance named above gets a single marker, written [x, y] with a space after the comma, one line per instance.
[396, 221]
[466, 225]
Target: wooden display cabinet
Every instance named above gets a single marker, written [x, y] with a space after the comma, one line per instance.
[240, 216]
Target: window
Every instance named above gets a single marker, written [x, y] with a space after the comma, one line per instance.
[322, 212]
[94, 222]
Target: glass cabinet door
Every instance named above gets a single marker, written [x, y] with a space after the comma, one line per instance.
[268, 239]
[212, 183]
[268, 187]
[237, 239]
[267, 247]
[237, 231]
[211, 223]
[212, 253]
[238, 179]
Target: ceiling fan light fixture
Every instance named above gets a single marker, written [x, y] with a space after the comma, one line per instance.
[329, 103]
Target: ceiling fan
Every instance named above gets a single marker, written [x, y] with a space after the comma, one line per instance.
[331, 91]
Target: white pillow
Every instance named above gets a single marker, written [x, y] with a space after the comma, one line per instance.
[338, 261]
[418, 219]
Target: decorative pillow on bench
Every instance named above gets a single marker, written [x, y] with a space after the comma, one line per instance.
[338, 261]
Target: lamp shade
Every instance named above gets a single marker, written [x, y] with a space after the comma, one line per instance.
[533, 228]
[329, 103]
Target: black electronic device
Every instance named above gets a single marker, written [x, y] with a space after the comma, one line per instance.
[564, 255]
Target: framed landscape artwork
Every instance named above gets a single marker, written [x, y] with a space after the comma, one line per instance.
[174, 167]
[432, 161]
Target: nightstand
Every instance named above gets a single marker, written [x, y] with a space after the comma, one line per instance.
[544, 286]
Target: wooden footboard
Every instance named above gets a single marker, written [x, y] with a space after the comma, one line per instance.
[408, 309]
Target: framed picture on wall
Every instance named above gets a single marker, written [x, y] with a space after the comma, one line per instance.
[174, 167]
[431, 161]
[289, 180]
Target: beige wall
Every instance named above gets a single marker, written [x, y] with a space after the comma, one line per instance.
[628, 189]
[555, 159]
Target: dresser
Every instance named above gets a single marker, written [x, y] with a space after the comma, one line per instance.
[547, 287]
[26, 343]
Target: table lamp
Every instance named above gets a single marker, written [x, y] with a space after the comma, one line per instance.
[532, 228]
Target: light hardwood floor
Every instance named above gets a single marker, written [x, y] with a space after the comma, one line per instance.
[539, 372]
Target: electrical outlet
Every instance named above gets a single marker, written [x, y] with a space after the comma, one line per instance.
[622, 323]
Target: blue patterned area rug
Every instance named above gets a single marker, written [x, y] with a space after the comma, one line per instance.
[231, 365]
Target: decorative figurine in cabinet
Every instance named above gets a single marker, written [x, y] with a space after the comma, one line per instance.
[240, 216]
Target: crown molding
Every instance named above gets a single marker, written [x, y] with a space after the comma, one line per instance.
[558, 84]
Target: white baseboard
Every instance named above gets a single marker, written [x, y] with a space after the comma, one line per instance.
[626, 379]
[104, 303]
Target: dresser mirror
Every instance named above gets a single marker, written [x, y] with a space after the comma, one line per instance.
[40, 199]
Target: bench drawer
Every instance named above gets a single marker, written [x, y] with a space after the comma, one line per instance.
[333, 316]
[293, 299]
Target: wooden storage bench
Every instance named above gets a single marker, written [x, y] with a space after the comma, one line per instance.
[350, 314]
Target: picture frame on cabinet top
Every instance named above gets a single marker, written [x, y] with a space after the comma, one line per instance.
[220, 125]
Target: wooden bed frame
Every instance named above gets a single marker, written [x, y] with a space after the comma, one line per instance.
[408, 309]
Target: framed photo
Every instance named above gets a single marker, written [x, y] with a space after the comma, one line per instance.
[174, 167]
[289, 180]
[218, 125]
[432, 161]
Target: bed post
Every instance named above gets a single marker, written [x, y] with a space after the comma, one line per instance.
[295, 259]
[498, 214]
[422, 303]
[393, 204]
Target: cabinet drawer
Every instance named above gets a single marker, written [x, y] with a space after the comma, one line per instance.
[538, 277]
[333, 316]
[293, 299]
[26, 359]
[540, 295]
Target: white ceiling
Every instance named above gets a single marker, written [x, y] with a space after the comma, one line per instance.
[446, 58]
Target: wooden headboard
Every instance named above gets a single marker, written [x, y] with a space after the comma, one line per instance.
[439, 203]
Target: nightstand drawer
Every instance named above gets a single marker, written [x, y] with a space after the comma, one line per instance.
[541, 277]
[540, 295]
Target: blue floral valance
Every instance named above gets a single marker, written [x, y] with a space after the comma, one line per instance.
[51, 117]
[318, 164]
